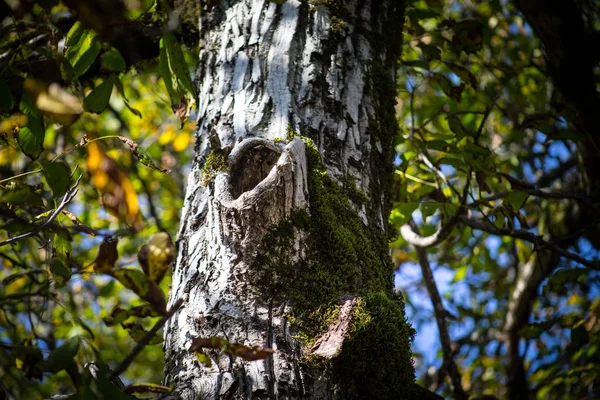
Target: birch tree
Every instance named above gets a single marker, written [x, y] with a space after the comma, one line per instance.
[284, 233]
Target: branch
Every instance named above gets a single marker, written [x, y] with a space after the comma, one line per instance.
[411, 236]
[145, 340]
[556, 173]
[529, 237]
[440, 316]
[69, 195]
[544, 194]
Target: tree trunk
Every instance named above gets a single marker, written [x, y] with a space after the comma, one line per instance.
[283, 238]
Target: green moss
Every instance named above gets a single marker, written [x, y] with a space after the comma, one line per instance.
[337, 25]
[353, 192]
[216, 161]
[375, 361]
[341, 255]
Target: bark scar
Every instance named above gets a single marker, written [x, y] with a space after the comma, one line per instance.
[258, 168]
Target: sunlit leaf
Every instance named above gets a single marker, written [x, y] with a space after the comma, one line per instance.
[54, 101]
[460, 274]
[141, 154]
[176, 75]
[82, 48]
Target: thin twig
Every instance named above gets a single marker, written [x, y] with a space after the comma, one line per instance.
[69, 195]
[529, 237]
[440, 316]
[544, 194]
[145, 340]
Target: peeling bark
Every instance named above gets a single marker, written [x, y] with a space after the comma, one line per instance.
[267, 74]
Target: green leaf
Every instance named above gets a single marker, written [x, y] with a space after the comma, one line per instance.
[203, 358]
[516, 199]
[22, 195]
[463, 73]
[31, 137]
[60, 271]
[133, 279]
[428, 208]
[97, 100]
[82, 48]
[460, 274]
[137, 333]
[468, 36]
[62, 357]
[430, 52]
[119, 315]
[7, 101]
[62, 245]
[402, 212]
[58, 176]
[113, 61]
[141, 154]
[27, 106]
[147, 388]
[176, 75]
[454, 92]
[121, 90]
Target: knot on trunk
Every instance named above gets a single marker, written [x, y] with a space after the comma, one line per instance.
[265, 175]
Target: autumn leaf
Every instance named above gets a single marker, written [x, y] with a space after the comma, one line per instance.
[156, 257]
[118, 195]
[107, 255]
[234, 349]
[141, 154]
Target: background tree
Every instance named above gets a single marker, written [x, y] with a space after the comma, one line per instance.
[495, 196]
[501, 125]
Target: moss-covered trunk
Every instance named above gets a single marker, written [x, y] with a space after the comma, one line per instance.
[283, 240]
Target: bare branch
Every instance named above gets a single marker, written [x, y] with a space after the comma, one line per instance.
[440, 316]
[529, 237]
[145, 340]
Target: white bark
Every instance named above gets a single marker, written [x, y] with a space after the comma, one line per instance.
[264, 68]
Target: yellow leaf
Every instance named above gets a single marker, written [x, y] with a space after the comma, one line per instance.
[118, 194]
[156, 257]
[573, 299]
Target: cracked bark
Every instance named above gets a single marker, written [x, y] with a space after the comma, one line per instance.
[328, 74]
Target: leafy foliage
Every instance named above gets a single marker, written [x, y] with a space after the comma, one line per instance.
[92, 165]
[493, 172]
[489, 178]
